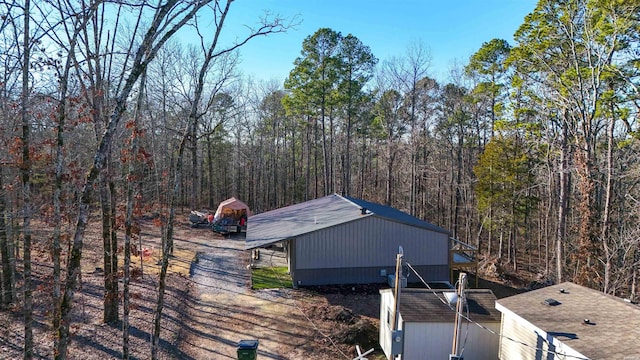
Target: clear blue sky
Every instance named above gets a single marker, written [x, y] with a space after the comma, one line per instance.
[451, 29]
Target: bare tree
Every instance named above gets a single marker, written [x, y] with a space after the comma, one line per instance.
[167, 19]
[25, 176]
[406, 72]
[212, 52]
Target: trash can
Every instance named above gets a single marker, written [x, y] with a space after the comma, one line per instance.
[248, 349]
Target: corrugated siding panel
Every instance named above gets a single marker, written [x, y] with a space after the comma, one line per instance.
[370, 241]
[362, 275]
[433, 341]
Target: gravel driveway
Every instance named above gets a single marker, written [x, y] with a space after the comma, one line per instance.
[225, 310]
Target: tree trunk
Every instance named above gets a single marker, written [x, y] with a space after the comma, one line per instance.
[58, 177]
[346, 183]
[25, 176]
[604, 232]
[132, 186]
[5, 252]
[325, 153]
[168, 245]
[210, 171]
[193, 202]
[110, 312]
[563, 198]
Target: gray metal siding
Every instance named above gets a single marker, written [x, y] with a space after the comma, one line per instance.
[363, 275]
[370, 242]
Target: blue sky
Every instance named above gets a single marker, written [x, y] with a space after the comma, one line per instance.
[451, 29]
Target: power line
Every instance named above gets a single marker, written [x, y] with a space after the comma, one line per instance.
[533, 347]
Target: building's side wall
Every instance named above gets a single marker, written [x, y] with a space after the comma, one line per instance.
[386, 315]
[427, 341]
[538, 343]
[355, 252]
[363, 275]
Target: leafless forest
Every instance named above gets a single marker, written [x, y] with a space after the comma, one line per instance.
[529, 151]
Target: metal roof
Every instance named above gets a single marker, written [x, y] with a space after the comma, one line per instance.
[394, 214]
[295, 220]
[422, 305]
[613, 323]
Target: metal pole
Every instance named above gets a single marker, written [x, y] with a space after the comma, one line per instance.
[396, 292]
[459, 309]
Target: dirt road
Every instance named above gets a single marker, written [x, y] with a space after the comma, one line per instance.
[225, 310]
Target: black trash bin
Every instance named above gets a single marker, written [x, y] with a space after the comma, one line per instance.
[248, 349]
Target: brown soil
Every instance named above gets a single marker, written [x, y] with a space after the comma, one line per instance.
[209, 307]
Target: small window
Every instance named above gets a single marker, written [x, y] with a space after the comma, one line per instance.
[389, 317]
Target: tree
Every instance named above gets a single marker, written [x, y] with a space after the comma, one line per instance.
[488, 65]
[155, 37]
[210, 53]
[389, 128]
[312, 84]
[25, 177]
[62, 110]
[8, 289]
[452, 128]
[405, 73]
[567, 48]
[503, 173]
[357, 63]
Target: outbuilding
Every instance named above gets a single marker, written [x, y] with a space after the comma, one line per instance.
[568, 321]
[426, 320]
[343, 240]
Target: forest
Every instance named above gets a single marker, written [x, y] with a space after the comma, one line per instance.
[528, 152]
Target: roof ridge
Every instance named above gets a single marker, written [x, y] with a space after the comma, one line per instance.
[349, 200]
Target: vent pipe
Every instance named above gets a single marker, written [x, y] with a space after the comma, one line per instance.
[363, 211]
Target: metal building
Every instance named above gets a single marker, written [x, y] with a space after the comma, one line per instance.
[342, 240]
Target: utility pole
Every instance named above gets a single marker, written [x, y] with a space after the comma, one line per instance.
[396, 290]
[462, 281]
[396, 337]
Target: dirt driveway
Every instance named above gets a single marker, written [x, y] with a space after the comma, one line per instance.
[209, 306]
[224, 310]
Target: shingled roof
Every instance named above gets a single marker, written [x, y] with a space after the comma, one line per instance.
[422, 305]
[614, 324]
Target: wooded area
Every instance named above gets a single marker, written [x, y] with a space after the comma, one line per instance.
[529, 151]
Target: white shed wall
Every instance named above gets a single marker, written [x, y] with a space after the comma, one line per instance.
[537, 341]
[433, 341]
[386, 311]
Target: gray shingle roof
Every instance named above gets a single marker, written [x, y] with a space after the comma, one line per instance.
[615, 324]
[295, 220]
[422, 305]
